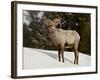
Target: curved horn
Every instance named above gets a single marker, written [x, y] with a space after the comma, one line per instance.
[58, 21]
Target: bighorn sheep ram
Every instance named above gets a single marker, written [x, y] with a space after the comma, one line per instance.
[63, 38]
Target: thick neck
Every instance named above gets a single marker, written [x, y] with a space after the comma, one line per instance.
[54, 33]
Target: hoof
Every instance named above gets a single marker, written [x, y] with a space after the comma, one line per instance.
[75, 63]
[63, 62]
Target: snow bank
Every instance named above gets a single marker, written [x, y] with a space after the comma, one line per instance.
[39, 59]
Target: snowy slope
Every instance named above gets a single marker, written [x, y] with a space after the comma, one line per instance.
[37, 59]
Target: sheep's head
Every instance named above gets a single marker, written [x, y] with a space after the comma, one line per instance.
[52, 25]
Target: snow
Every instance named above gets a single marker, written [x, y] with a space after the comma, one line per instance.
[39, 59]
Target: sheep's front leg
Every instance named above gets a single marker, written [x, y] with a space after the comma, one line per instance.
[59, 54]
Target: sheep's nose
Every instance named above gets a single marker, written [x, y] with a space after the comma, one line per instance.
[52, 29]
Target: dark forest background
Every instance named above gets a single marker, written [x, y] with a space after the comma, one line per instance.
[35, 34]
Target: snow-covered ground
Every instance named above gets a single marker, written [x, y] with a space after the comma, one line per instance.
[39, 59]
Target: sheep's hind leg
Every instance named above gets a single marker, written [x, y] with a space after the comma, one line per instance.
[76, 57]
[62, 53]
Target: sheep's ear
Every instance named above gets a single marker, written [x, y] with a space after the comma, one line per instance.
[44, 17]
